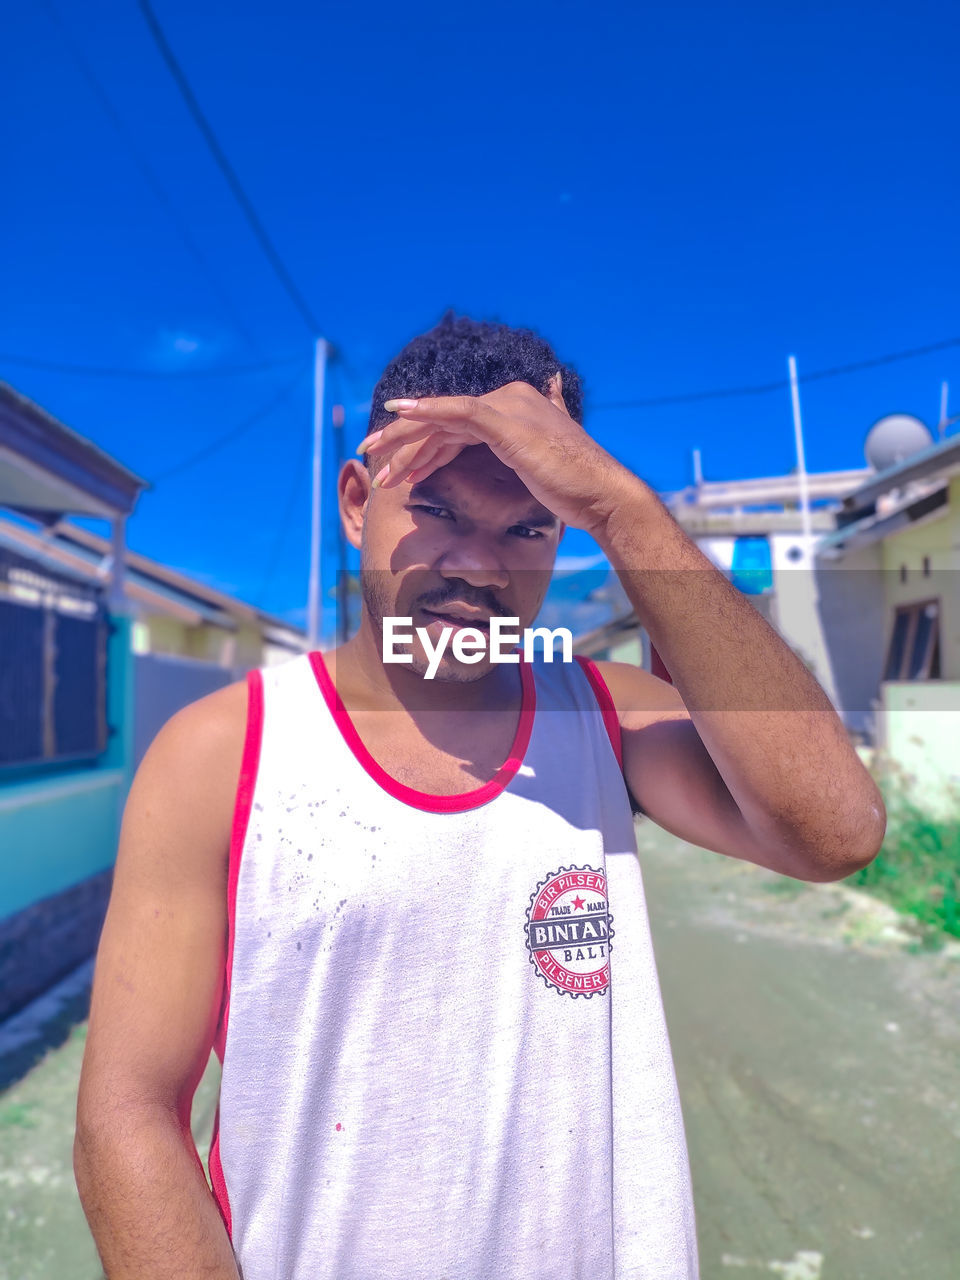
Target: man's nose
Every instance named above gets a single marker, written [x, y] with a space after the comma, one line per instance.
[476, 562]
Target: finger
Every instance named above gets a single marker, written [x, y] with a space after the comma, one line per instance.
[405, 431]
[416, 462]
[394, 433]
[440, 458]
[406, 458]
[555, 391]
[414, 467]
[472, 411]
[369, 440]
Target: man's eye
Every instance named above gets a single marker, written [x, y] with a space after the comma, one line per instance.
[524, 532]
[441, 512]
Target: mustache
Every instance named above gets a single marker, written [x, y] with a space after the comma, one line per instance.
[464, 593]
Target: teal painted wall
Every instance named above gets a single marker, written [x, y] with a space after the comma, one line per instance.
[57, 829]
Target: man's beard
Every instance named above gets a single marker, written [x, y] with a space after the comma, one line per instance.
[376, 601]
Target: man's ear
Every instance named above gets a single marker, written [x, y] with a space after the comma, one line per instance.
[353, 490]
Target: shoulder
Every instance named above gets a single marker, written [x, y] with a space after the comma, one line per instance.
[194, 761]
[640, 697]
[210, 723]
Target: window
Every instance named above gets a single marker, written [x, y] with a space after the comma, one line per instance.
[53, 640]
[914, 651]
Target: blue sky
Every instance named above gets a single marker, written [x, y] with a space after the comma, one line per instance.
[678, 196]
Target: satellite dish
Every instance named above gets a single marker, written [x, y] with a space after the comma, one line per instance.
[892, 439]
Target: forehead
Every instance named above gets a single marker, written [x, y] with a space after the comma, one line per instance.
[476, 477]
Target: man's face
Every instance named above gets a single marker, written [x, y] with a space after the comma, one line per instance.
[467, 543]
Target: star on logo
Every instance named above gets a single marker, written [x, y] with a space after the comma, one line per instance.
[578, 903]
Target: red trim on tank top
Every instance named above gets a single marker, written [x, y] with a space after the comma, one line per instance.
[426, 799]
[658, 667]
[608, 710]
[238, 834]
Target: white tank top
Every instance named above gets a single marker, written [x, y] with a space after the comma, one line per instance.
[443, 1044]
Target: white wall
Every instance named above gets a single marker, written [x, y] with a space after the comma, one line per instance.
[798, 607]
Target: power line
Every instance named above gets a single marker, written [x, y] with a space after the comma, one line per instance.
[100, 371]
[235, 432]
[229, 173]
[890, 358]
[148, 174]
[763, 388]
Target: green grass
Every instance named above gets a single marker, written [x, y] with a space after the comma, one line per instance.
[17, 1115]
[918, 868]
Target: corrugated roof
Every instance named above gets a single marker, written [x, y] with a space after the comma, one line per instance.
[148, 581]
[874, 525]
[29, 410]
[940, 459]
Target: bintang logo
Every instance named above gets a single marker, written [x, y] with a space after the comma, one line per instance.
[568, 931]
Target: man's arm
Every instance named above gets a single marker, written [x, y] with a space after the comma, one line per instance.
[744, 754]
[805, 800]
[156, 996]
[669, 771]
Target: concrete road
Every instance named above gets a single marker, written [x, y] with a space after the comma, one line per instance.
[43, 1233]
[819, 1065]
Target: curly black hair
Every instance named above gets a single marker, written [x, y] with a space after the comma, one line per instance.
[464, 357]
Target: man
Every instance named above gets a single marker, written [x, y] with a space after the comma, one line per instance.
[408, 912]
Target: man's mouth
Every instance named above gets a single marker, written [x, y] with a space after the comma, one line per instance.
[459, 616]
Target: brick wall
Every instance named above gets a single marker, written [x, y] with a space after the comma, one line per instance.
[44, 942]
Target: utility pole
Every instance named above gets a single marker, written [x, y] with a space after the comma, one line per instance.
[801, 460]
[315, 596]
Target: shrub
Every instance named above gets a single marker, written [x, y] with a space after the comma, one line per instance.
[918, 868]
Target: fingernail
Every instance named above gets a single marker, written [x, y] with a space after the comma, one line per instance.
[381, 475]
[369, 440]
[392, 406]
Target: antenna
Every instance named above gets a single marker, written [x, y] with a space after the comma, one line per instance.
[942, 420]
[801, 459]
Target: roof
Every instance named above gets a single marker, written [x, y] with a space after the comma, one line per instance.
[698, 522]
[76, 536]
[765, 491]
[873, 526]
[940, 460]
[82, 554]
[46, 468]
[894, 499]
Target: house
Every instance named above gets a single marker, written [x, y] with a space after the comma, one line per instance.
[755, 532]
[187, 638]
[99, 646]
[890, 592]
[65, 705]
